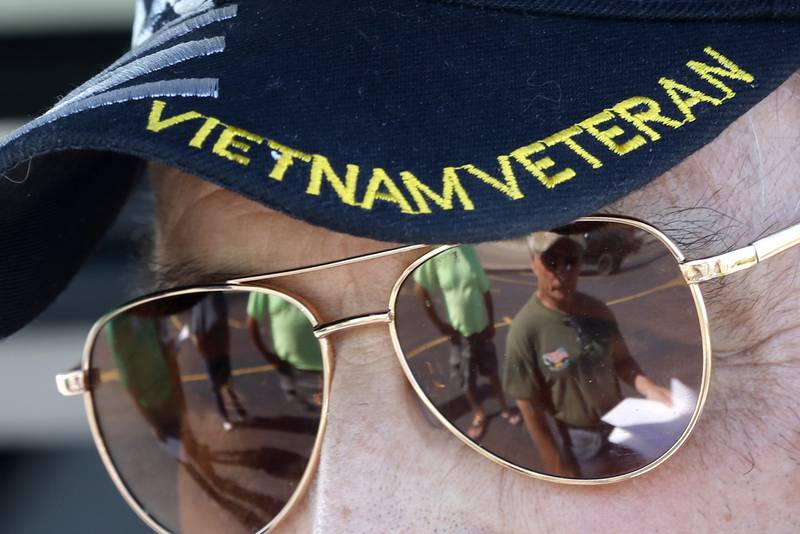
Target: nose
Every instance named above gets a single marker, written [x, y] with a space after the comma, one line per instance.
[383, 466]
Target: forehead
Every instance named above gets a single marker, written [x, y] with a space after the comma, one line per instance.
[201, 223]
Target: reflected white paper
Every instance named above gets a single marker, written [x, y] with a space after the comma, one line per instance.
[646, 426]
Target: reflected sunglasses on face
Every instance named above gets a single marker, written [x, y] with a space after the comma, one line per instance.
[560, 263]
[209, 404]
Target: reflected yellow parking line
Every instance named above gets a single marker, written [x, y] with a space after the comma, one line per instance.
[113, 375]
[244, 371]
[677, 281]
[439, 340]
[109, 376]
[508, 280]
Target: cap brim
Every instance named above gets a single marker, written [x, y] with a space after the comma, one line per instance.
[413, 121]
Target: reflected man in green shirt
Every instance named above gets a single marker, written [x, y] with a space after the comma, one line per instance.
[458, 275]
[296, 351]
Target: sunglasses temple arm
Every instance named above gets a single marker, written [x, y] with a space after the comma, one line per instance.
[778, 242]
[72, 383]
[698, 271]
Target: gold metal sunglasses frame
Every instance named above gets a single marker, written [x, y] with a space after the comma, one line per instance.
[694, 272]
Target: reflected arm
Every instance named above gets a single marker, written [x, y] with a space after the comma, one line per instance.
[255, 335]
[652, 391]
[629, 372]
[427, 304]
[489, 303]
[536, 423]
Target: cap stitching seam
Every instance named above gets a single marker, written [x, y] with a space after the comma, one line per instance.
[769, 11]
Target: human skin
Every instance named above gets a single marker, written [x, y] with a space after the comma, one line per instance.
[384, 468]
[555, 287]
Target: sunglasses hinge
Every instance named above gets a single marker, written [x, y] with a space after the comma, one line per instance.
[71, 384]
[718, 266]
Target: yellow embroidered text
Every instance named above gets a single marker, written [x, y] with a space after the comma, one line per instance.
[613, 132]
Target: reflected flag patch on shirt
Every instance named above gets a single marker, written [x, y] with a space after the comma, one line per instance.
[556, 360]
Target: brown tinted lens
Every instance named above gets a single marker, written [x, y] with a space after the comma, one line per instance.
[209, 406]
[577, 355]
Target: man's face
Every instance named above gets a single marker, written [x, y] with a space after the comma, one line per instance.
[557, 270]
[385, 468]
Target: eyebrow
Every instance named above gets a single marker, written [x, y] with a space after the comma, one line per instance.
[697, 229]
[162, 274]
[700, 230]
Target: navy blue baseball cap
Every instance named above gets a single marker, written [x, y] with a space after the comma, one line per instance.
[401, 120]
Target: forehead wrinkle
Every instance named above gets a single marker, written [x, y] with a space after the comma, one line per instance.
[230, 233]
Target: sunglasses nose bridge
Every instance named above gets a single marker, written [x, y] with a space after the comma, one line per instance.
[326, 329]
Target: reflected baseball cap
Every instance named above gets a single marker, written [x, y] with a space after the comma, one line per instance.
[540, 242]
[401, 120]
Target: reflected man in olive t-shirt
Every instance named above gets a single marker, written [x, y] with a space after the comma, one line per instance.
[295, 351]
[565, 358]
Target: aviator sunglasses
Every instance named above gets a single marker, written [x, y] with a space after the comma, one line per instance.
[578, 356]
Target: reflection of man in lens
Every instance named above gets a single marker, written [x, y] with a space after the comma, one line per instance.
[296, 356]
[458, 275]
[565, 357]
[211, 336]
